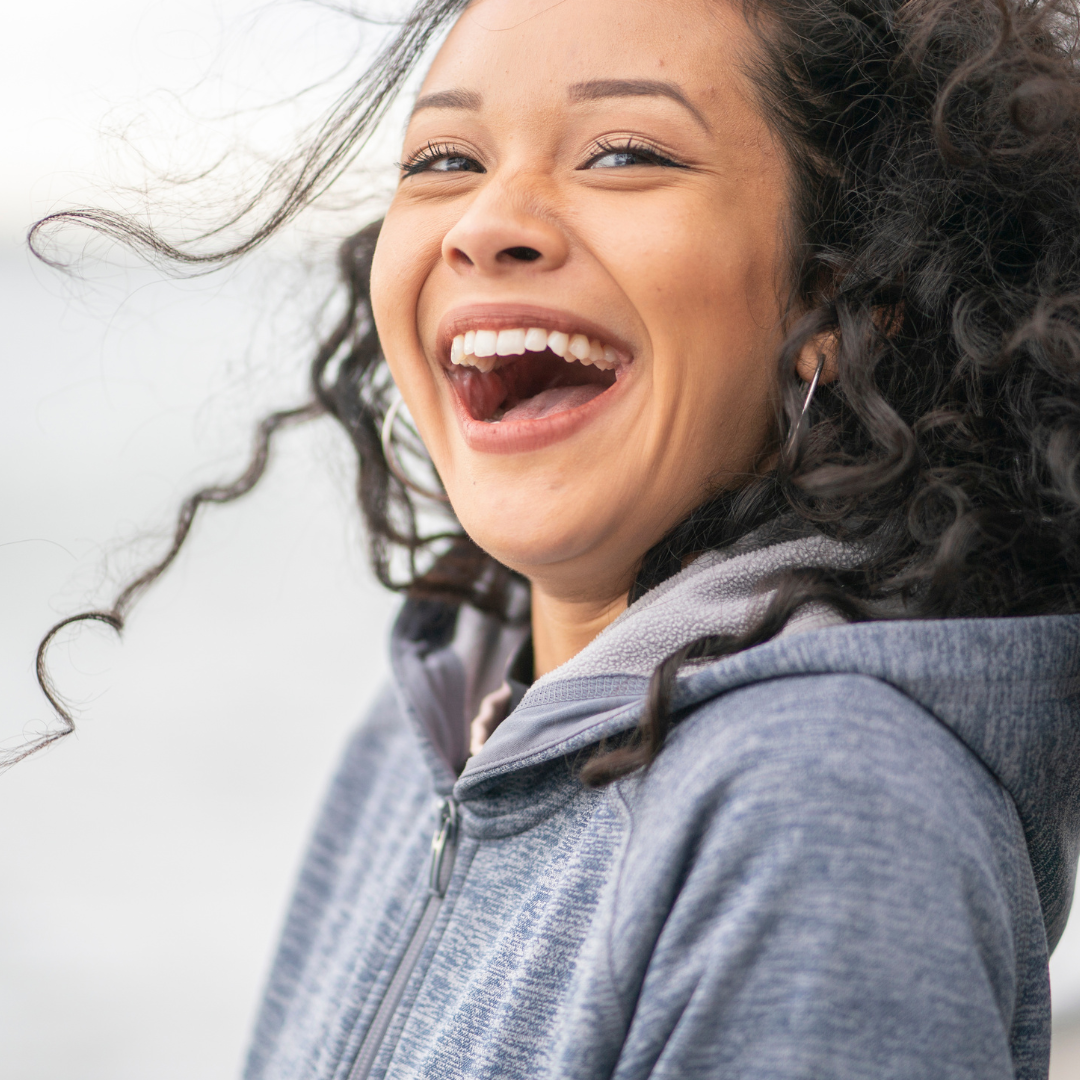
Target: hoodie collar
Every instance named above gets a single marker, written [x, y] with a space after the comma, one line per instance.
[445, 660]
[1009, 689]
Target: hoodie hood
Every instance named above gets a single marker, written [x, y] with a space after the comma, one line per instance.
[1009, 689]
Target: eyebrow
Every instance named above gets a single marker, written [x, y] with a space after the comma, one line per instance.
[449, 99]
[608, 88]
[583, 91]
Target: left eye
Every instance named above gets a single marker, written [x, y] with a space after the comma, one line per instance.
[620, 157]
[439, 158]
[616, 159]
[454, 163]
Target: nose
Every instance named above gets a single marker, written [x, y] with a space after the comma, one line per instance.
[504, 232]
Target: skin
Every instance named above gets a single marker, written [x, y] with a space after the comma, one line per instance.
[682, 266]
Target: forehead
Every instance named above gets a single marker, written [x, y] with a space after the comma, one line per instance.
[532, 51]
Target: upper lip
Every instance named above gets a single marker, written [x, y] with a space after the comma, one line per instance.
[511, 316]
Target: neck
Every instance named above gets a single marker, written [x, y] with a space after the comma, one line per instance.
[561, 627]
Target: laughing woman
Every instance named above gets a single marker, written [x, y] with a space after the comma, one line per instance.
[734, 728]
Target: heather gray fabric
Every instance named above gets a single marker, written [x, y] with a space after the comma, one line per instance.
[847, 861]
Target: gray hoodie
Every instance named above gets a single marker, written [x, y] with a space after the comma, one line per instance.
[848, 861]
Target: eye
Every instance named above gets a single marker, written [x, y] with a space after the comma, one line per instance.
[439, 158]
[624, 154]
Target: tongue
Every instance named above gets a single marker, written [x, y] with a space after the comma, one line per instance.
[558, 399]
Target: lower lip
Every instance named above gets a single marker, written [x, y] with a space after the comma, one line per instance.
[521, 436]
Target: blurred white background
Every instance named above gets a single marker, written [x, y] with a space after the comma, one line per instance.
[145, 861]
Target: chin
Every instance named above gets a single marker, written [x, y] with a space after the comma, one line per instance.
[528, 542]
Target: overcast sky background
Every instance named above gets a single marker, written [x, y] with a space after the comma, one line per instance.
[145, 862]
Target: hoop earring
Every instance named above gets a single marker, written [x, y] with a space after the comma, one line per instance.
[392, 463]
[806, 404]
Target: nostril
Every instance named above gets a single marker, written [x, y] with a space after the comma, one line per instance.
[523, 254]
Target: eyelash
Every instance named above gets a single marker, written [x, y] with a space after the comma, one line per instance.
[433, 152]
[426, 157]
[603, 147]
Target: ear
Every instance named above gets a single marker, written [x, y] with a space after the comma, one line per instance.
[889, 320]
[821, 348]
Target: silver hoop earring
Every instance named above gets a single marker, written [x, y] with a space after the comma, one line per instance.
[806, 403]
[392, 463]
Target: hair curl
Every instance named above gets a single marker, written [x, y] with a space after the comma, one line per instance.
[934, 147]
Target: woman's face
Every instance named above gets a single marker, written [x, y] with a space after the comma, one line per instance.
[577, 285]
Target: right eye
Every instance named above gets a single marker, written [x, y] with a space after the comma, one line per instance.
[439, 158]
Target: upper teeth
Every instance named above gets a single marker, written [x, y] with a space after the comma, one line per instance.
[482, 348]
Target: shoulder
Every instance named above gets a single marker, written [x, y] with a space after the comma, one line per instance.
[839, 782]
[378, 786]
[831, 739]
[381, 735]
[831, 846]
[843, 888]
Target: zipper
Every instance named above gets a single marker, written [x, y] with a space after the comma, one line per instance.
[443, 850]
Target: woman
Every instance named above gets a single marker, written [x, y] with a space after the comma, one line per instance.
[735, 733]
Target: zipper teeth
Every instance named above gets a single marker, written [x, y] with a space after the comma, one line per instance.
[443, 849]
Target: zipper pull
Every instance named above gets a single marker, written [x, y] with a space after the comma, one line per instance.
[443, 848]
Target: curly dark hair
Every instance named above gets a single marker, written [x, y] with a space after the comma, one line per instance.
[934, 147]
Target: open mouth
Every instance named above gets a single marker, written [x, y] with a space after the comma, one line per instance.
[529, 373]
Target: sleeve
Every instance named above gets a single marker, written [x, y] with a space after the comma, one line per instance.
[838, 890]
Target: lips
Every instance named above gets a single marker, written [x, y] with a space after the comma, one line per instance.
[504, 376]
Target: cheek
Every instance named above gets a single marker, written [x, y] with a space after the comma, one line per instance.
[402, 263]
[697, 269]
[705, 287]
[408, 251]
[394, 284]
